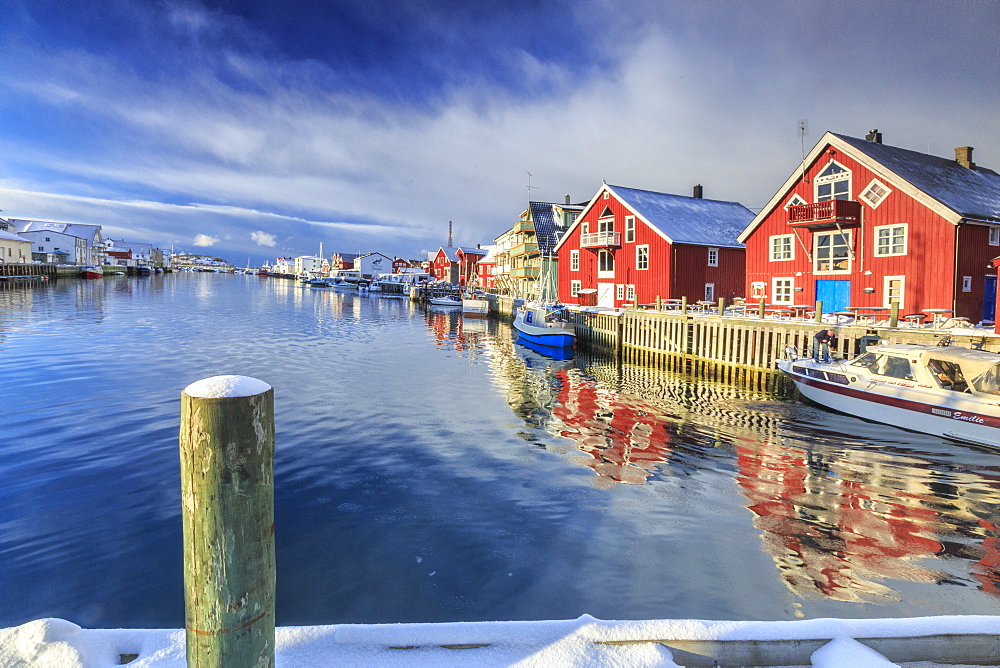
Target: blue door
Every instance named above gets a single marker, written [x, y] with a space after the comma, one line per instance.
[990, 299]
[835, 295]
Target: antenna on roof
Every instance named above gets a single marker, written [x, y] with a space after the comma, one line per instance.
[449, 234]
[803, 131]
[529, 187]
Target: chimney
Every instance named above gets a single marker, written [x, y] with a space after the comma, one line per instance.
[874, 136]
[567, 199]
[698, 191]
[963, 156]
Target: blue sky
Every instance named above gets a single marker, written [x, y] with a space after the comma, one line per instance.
[264, 128]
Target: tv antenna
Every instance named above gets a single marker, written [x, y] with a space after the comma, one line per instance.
[530, 187]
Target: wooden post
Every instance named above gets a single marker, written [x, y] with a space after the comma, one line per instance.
[659, 304]
[722, 306]
[894, 314]
[684, 305]
[227, 503]
[819, 311]
[760, 309]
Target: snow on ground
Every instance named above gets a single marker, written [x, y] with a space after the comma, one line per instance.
[585, 641]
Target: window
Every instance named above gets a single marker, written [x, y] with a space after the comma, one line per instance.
[795, 201]
[630, 293]
[606, 225]
[41, 248]
[574, 260]
[893, 291]
[574, 288]
[569, 217]
[894, 367]
[782, 248]
[890, 240]
[834, 182]
[585, 228]
[620, 292]
[833, 252]
[875, 193]
[995, 236]
[605, 264]
[782, 290]
[642, 257]
[630, 228]
[710, 292]
[606, 194]
[967, 284]
[713, 257]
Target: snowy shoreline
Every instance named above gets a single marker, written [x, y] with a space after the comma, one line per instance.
[585, 641]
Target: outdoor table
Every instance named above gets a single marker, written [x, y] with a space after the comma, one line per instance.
[915, 319]
[704, 305]
[780, 312]
[937, 313]
[868, 317]
[800, 309]
[842, 314]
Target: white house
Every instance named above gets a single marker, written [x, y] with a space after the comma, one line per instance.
[373, 264]
[81, 244]
[142, 253]
[312, 264]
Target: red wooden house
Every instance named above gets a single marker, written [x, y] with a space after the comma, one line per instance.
[632, 246]
[860, 223]
[455, 264]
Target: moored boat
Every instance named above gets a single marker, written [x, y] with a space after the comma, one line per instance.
[539, 323]
[447, 300]
[945, 391]
[144, 270]
[475, 305]
[91, 272]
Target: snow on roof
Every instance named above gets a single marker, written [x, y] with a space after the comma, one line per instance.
[468, 250]
[79, 230]
[10, 236]
[688, 220]
[972, 193]
[585, 641]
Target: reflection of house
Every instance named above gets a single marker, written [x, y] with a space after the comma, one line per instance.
[860, 223]
[633, 246]
[78, 243]
[525, 253]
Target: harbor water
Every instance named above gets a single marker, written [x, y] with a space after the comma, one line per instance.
[429, 468]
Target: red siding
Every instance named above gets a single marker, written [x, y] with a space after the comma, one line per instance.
[929, 265]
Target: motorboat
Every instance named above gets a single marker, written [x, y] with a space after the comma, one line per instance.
[144, 270]
[945, 391]
[475, 305]
[91, 272]
[541, 323]
[446, 300]
[318, 282]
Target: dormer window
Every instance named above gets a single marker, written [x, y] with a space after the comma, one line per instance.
[834, 182]
[795, 201]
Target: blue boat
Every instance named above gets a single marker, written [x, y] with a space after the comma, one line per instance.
[539, 323]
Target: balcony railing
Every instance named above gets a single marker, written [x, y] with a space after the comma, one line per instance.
[525, 272]
[825, 213]
[600, 239]
[529, 248]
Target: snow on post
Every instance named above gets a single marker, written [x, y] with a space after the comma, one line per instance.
[227, 499]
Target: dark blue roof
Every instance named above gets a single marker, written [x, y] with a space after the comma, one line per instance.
[689, 220]
[546, 233]
[971, 193]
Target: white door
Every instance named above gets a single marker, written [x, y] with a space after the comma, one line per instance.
[606, 294]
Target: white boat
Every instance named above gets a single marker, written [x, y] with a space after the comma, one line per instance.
[945, 391]
[475, 305]
[447, 300]
[540, 323]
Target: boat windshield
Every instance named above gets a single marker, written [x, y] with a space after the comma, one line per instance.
[948, 375]
[894, 367]
[988, 382]
[866, 360]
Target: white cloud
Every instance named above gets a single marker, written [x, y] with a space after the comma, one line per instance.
[205, 240]
[264, 239]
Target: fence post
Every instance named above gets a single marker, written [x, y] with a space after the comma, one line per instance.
[760, 309]
[684, 305]
[227, 505]
[894, 314]
[722, 306]
[819, 311]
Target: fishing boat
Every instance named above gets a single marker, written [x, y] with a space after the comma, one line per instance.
[91, 272]
[541, 323]
[446, 300]
[144, 270]
[945, 391]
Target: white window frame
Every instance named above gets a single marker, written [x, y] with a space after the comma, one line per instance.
[994, 236]
[795, 200]
[816, 259]
[844, 175]
[630, 293]
[606, 273]
[783, 290]
[630, 229]
[790, 250]
[620, 292]
[574, 260]
[967, 284]
[869, 197]
[889, 228]
[584, 228]
[642, 253]
[886, 284]
[575, 287]
[606, 194]
[710, 292]
[713, 257]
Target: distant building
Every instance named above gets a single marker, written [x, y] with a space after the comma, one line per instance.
[372, 264]
[525, 254]
[141, 252]
[74, 243]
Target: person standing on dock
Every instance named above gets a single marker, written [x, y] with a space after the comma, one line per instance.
[821, 344]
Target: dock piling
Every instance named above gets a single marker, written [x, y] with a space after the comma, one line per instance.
[227, 500]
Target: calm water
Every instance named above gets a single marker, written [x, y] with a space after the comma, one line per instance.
[430, 469]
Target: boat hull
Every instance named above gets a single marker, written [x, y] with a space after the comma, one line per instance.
[91, 272]
[549, 334]
[958, 419]
[475, 307]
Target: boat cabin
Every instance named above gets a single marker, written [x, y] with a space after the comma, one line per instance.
[951, 369]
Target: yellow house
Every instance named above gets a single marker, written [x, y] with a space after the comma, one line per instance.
[14, 249]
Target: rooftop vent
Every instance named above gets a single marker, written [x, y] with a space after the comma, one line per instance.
[698, 191]
[874, 136]
[963, 156]
[567, 199]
